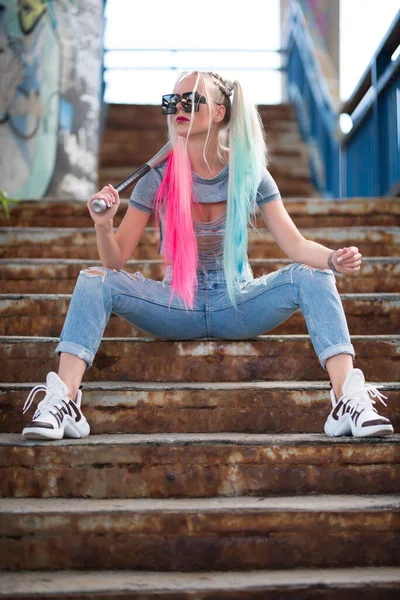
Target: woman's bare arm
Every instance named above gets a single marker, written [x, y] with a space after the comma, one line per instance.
[299, 249]
[130, 232]
[116, 248]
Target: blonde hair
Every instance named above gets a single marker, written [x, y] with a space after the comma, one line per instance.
[242, 130]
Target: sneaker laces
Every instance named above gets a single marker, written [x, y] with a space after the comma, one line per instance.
[50, 398]
[363, 397]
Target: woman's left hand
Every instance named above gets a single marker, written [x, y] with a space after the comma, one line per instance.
[347, 260]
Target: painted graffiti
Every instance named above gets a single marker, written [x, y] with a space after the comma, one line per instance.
[50, 54]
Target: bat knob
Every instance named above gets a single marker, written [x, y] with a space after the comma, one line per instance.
[98, 205]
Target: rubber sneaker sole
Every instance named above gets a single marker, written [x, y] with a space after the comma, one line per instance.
[69, 430]
[345, 426]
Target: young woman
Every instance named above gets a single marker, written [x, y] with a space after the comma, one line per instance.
[204, 195]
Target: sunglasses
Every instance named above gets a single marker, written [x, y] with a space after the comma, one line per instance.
[187, 100]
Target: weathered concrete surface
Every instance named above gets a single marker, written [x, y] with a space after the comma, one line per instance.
[305, 213]
[264, 358]
[198, 465]
[263, 407]
[44, 315]
[81, 242]
[223, 534]
[378, 275]
[124, 139]
[302, 584]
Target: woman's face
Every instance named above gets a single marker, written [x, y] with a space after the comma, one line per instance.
[181, 119]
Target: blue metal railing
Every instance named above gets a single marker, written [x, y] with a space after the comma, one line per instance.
[366, 162]
[370, 153]
[316, 109]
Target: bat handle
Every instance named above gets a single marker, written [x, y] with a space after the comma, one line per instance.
[98, 205]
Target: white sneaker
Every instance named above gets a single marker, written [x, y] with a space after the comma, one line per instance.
[56, 415]
[354, 414]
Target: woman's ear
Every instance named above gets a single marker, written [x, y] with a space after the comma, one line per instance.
[219, 114]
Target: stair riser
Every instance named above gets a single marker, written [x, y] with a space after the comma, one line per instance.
[199, 541]
[302, 221]
[289, 185]
[78, 244]
[207, 411]
[294, 160]
[42, 317]
[375, 212]
[140, 360]
[320, 591]
[98, 470]
[305, 214]
[26, 278]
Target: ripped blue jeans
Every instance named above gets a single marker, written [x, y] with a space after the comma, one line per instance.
[262, 304]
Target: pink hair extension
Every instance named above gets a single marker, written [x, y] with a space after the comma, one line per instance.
[174, 198]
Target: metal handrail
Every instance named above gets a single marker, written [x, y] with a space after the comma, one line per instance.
[201, 50]
[316, 108]
[388, 45]
[244, 50]
[183, 68]
[375, 111]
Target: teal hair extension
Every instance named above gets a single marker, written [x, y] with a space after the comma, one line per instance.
[247, 160]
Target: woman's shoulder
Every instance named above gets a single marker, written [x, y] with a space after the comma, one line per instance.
[159, 170]
[267, 189]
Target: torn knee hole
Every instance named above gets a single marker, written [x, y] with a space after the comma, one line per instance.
[312, 269]
[132, 276]
[95, 272]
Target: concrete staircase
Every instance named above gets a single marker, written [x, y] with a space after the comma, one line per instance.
[207, 475]
[135, 133]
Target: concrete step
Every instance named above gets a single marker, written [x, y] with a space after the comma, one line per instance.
[308, 213]
[197, 534]
[281, 135]
[44, 315]
[372, 583]
[118, 149]
[289, 183]
[58, 276]
[173, 465]
[121, 148]
[250, 407]
[147, 117]
[66, 242]
[127, 142]
[264, 358]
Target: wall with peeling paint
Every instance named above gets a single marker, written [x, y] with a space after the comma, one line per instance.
[50, 69]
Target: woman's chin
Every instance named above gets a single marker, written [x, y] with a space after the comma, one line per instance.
[182, 131]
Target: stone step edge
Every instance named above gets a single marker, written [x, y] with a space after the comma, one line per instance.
[157, 261]
[201, 439]
[20, 339]
[308, 504]
[291, 200]
[262, 230]
[198, 386]
[347, 296]
[41, 585]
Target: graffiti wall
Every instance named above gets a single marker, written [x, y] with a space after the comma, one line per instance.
[50, 88]
[323, 17]
[320, 10]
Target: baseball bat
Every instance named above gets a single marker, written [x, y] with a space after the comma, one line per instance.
[99, 205]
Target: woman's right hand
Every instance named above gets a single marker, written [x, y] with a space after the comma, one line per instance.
[111, 197]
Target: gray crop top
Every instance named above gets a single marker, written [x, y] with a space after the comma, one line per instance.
[210, 236]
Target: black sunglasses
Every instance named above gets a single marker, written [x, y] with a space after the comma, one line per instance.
[188, 99]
